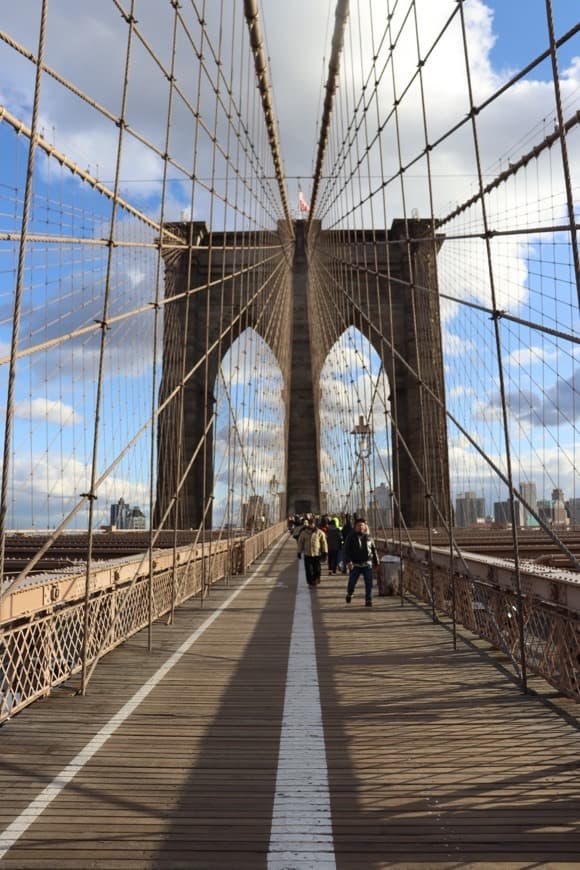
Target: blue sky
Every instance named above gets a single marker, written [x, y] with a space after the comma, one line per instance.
[534, 274]
[521, 30]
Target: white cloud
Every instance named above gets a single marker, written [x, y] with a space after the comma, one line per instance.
[455, 345]
[461, 390]
[526, 356]
[91, 140]
[46, 486]
[52, 411]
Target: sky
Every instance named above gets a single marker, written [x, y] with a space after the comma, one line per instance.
[298, 73]
[533, 272]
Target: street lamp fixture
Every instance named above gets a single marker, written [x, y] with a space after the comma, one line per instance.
[274, 484]
[362, 431]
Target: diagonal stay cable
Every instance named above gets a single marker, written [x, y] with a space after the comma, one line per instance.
[251, 12]
[40, 142]
[340, 17]
[148, 306]
[559, 543]
[146, 425]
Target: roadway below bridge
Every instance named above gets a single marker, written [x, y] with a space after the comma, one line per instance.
[279, 727]
[534, 544]
[70, 549]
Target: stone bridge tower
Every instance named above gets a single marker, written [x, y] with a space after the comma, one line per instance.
[227, 294]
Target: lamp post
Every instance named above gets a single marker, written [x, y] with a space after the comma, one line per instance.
[274, 483]
[362, 431]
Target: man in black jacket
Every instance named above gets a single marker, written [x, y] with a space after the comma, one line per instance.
[360, 554]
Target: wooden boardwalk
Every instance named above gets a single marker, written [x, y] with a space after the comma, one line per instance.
[427, 758]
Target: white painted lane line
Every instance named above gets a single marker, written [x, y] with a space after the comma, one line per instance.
[301, 836]
[35, 808]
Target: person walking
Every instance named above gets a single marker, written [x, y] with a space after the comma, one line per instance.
[334, 541]
[360, 554]
[312, 544]
[299, 524]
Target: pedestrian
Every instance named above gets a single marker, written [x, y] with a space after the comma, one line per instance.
[360, 555]
[312, 543]
[334, 541]
[346, 530]
[348, 527]
[299, 524]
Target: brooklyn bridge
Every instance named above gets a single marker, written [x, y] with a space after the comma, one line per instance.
[263, 263]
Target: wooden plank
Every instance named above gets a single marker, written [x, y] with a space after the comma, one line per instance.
[435, 758]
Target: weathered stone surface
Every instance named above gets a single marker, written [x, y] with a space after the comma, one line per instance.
[384, 284]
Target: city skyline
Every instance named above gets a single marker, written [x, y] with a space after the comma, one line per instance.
[557, 511]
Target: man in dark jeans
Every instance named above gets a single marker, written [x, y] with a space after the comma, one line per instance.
[360, 554]
[312, 542]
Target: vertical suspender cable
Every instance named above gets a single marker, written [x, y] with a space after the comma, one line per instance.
[564, 149]
[427, 475]
[500, 365]
[91, 495]
[17, 311]
[170, 98]
[446, 509]
[208, 408]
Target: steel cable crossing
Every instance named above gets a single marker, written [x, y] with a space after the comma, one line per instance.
[202, 253]
[513, 316]
[88, 345]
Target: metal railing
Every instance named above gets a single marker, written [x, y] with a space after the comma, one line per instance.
[481, 595]
[42, 649]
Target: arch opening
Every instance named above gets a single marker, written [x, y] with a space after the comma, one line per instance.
[355, 432]
[250, 436]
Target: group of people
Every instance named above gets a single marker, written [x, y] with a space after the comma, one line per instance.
[348, 548]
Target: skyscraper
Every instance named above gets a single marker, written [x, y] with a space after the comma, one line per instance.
[573, 508]
[529, 493]
[468, 509]
[502, 513]
[136, 519]
[119, 514]
[559, 516]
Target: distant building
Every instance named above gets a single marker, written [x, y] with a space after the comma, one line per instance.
[469, 508]
[119, 514]
[136, 519]
[125, 517]
[502, 515]
[573, 508]
[560, 518]
[255, 513]
[529, 493]
[381, 508]
[545, 511]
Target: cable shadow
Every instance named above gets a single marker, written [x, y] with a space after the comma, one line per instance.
[410, 797]
[222, 817]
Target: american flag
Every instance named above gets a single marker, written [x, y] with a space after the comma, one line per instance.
[302, 204]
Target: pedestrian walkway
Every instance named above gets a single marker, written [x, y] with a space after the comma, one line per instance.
[278, 727]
